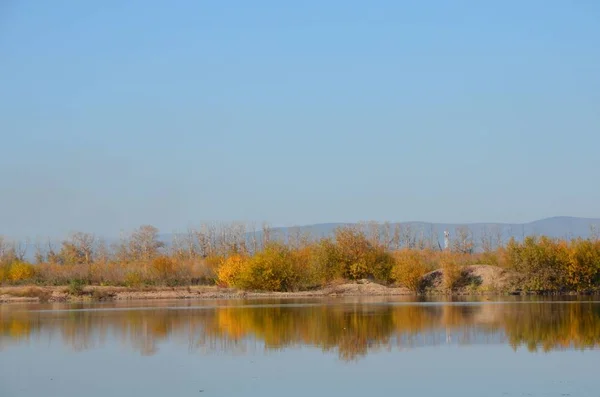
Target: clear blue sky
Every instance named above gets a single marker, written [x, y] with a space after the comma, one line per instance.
[115, 114]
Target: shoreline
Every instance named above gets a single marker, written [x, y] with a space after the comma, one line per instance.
[62, 294]
[42, 294]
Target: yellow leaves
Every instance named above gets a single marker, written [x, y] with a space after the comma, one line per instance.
[583, 268]
[276, 268]
[360, 258]
[452, 273]
[409, 269]
[228, 273]
[551, 265]
[163, 266]
[21, 271]
[133, 279]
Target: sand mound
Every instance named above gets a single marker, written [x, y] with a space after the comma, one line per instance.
[365, 287]
[474, 279]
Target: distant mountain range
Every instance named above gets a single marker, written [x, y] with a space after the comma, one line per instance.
[558, 227]
[555, 227]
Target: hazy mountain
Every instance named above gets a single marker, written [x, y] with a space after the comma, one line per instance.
[557, 227]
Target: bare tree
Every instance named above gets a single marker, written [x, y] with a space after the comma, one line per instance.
[4, 249]
[103, 253]
[464, 240]
[144, 243]
[594, 232]
[266, 233]
[408, 237]
[396, 238]
[487, 243]
[12, 251]
[39, 254]
[499, 236]
[374, 232]
[254, 239]
[85, 244]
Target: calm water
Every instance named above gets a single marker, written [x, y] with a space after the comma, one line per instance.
[342, 347]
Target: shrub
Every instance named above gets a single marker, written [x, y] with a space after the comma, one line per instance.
[452, 273]
[583, 268]
[325, 260]
[164, 267]
[275, 268]
[360, 258]
[133, 279]
[541, 262]
[21, 271]
[230, 270]
[76, 287]
[4, 269]
[409, 269]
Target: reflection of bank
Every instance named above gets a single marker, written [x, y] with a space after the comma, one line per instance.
[350, 329]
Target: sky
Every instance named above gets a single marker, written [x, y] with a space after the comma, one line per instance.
[116, 114]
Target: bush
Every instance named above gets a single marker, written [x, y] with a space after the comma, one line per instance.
[452, 273]
[230, 271]
[541, 262]
[4, 273]
[325, 261]
[164, 267]
[583, 268]
[76, 287]
[274, 269]
[409, 269]
[21, 271]
[133, 279]
[359, 258]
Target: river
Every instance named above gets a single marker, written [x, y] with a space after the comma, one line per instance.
[365, 346]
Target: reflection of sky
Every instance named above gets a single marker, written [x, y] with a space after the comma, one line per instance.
[41, 369]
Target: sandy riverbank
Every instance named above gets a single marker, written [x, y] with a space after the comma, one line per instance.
[476, 280]
[101, 293]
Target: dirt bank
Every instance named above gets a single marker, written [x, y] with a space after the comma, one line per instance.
[475, 280]
[100, 293]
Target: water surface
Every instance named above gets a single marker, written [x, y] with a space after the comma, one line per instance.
[346, 347]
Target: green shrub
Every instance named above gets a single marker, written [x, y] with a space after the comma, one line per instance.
[76, 287]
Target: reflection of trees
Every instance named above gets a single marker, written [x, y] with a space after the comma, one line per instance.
[554, 326]
[352, 330]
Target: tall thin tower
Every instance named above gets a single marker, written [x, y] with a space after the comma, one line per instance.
[446, 240]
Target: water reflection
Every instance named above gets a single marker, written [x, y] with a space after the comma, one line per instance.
[351, 329]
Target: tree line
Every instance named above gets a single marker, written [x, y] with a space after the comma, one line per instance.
[236, 255]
